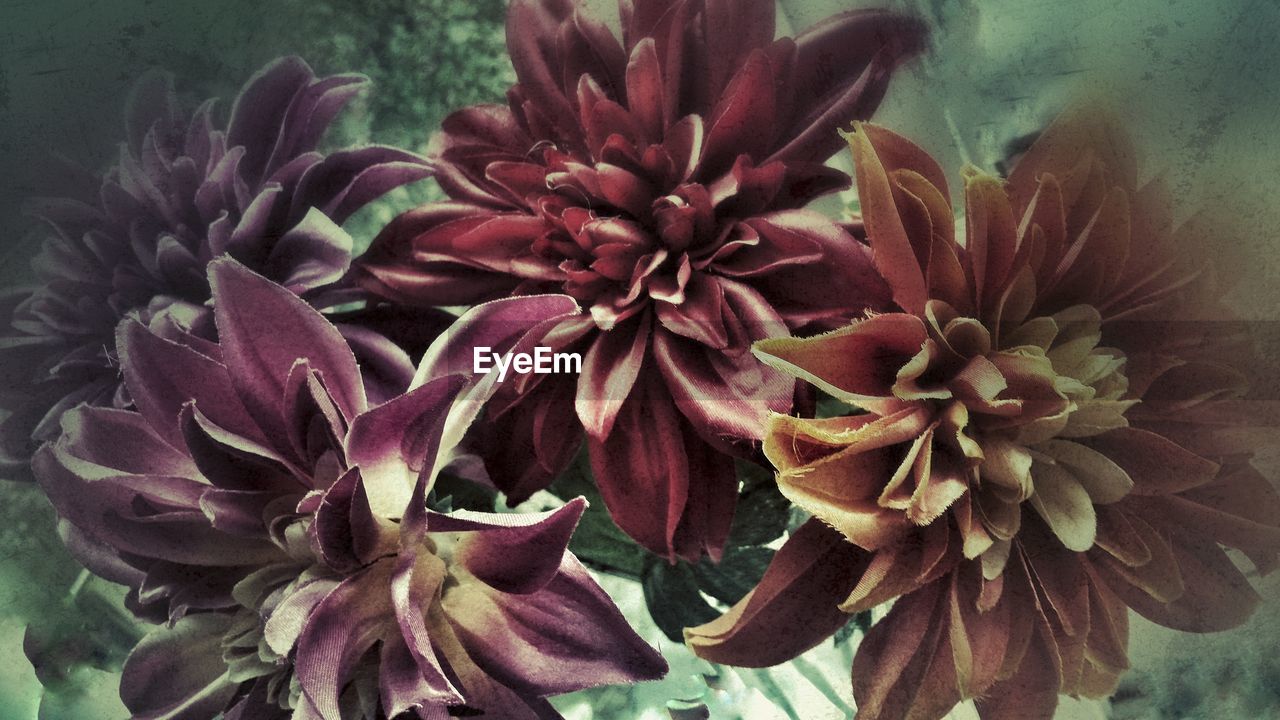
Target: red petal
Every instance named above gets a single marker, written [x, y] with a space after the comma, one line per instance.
[800, 591]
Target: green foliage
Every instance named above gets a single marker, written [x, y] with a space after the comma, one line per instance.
[451, 493]
[761, 516]
[78, 647]
[764, 681]
[77, 634]
[425, 57]
[859, 623]
[674, 598]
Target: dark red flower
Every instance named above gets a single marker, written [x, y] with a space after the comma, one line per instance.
[659, 181]
[183, 192]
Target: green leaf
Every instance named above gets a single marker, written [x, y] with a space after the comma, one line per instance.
[764, 682]
[671, 592]
[688, 710]
[454, 493]
[859, 623]
[819, 681]
[762, 511]
[735, 575]
[828, 407]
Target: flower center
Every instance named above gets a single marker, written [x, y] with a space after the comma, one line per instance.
[623, 235]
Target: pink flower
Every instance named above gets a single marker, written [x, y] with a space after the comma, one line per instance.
[1056, 432]
[659, 181]
[258, 503]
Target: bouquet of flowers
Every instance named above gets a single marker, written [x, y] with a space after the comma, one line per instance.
[972, 424]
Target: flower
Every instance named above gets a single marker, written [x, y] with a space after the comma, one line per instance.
[182, 193]
[1055, 433]
[660, 181]
[256, 502]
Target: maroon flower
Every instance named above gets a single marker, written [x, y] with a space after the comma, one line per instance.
[659, 181]
[182, 193]
[256, 502]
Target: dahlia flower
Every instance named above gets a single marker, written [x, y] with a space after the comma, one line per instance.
[659, 180]
[257, 503]
[1051, 438]
[183, 192]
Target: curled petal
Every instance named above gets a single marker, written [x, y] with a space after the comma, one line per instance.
[345, 624]
[512, 553]
[569, 619]
[801, 590]
[856, 363]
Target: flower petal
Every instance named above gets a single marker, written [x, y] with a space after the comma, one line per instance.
[800, 591]
[856, 364]
[177, 672]
[512, 553]
[262, 329]
[570, 619]
[163, 376]
[397, 440]
[1105, 481]
[1065, 506]
[1156, 465]
[345, 624]
[609, 372]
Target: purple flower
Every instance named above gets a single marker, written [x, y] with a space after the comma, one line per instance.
[182, 193]
[257, 502]
[660, 181]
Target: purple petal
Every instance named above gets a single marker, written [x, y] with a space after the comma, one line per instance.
[177, 672]
[516, 553]
[396, 441]
[264, 329]
[285, 623]
[146, 516]
[163, 376]
[415, 586]
[313, 253]
[497, 325]
[565, 637]
[347, 180]
[124, 441]
[341, 628]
